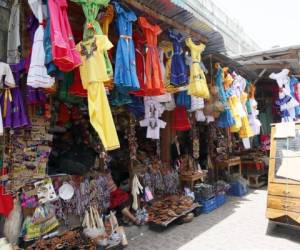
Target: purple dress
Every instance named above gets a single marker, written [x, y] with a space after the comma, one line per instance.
[179, 76]
[13, 109]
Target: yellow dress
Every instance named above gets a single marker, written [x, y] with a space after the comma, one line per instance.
[227, 78]
[105, 21]
[93, 73]
[197, 84]
[233, 102]
[245, 131]
[168, 52]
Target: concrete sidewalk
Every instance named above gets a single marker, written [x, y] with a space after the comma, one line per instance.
[239, 224]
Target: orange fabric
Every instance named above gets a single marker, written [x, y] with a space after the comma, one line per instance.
[154, 80]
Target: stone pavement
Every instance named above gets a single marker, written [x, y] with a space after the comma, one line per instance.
[239, 224]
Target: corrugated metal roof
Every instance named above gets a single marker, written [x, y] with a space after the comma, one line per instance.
[181, 13]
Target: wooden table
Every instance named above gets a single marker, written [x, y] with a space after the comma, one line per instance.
[229, 164]
[191, 179]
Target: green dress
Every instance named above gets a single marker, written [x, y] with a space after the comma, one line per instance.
[90, 9]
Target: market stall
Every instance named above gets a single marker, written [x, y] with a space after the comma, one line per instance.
[110, 118]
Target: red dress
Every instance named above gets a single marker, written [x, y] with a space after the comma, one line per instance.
[154, 80]
[180, 119]
[139, 42]
[65, 55]
[76, 87]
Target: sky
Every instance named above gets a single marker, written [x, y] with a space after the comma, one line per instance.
[269, 22]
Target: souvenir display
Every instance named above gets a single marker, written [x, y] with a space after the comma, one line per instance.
[123, 120]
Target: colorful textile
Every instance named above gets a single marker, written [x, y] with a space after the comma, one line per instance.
[37, 74]
[92, 27]
[183, 100]
[197, 83]
[167, 48]
[125, 66]
[180, 119]
[6, 202]
[65, 56]
[76, 88]
[13, 109]
[179, 75]
[107, 19]
[13, 36]
[117, 197]
[93, 73]
[295, 92]
[225, 119]
[140, 41]
[154, 80]
[52, 69]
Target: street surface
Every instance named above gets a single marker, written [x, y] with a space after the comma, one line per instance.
[239, 224]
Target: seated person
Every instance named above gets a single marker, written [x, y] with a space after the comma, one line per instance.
[120, 201]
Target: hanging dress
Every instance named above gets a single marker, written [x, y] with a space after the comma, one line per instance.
[13, 35]
[183, 100]
[64, 53]
[154, 85]
[286, 101]
[37, 74]
[225, 119]
[13, 109]
[52, 69]
[125, 77]
[33, 95]
[179, 75]
[105, 21]
[295, 92]
[93, 73]
[76, 88]
[140, 41]
[197, 83]
[245, 131]
[180, 119]
[92, 26]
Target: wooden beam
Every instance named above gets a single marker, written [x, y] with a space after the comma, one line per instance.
[156, 15]
[266, 66]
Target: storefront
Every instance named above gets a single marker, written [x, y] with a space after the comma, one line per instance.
[117, 123]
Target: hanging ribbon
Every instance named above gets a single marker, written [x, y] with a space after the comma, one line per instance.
[7, 96]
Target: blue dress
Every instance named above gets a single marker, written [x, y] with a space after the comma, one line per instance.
[293, 82]
[125, 77]
[225, 119]
[179, 76]
[52, 70]
[183, 100]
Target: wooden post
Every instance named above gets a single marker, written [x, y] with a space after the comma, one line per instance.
[166, 138]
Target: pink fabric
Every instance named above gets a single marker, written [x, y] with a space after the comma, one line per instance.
[65, 55]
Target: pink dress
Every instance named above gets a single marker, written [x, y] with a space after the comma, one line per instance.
[65, 55]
